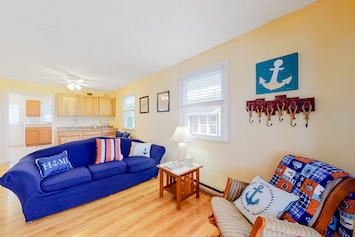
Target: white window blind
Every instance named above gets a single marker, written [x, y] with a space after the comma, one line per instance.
[204, 87]
[203, 105]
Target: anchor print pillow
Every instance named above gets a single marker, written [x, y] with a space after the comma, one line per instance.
[262, 198]
[53, 164]
[140, 149]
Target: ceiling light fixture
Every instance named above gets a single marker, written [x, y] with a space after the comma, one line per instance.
[73, 86]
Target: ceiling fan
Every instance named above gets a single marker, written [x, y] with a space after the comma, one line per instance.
[74, 82]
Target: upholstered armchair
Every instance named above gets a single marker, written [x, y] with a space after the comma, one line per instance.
[339, 188]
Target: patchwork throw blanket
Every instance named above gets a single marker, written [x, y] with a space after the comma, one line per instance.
[308, 179]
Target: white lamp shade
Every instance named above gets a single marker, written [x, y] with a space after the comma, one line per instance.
[182, 134]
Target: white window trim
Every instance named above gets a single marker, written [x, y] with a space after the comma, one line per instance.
[128, 110]
[224, 103]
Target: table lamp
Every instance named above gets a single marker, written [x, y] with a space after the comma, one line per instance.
[182, 135]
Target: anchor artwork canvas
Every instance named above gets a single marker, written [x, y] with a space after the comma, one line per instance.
[278, 74]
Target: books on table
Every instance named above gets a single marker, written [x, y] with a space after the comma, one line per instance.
[173, 165]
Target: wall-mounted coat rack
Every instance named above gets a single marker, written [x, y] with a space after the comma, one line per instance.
[292, 106]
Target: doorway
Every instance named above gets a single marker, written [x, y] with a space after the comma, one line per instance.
[17, 121]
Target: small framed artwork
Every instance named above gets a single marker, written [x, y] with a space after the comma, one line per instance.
[144, 104]
[163, 101]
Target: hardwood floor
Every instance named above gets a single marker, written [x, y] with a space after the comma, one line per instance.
[137, 211]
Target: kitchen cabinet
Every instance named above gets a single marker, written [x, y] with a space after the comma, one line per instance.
[91, 133]
[68, 104]
[68, 135]
[89, 105]
[33, 108]
[31, 136]
[38, 136]
[109, 132]
[107, 106]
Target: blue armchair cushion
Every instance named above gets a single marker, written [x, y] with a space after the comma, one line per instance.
[53, 164]
[138, 163]
[107, 169]
[66, 179]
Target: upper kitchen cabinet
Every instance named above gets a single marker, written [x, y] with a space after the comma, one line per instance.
[89, 105]
[33, 108]
[68, 104]
[107, 106]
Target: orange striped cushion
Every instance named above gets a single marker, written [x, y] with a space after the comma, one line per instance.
[108, 150]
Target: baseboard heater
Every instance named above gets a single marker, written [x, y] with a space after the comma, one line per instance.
[210, 190]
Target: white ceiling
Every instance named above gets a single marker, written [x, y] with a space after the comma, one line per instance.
[112, 43]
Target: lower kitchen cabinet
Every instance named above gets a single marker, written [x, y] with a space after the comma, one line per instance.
[38, 136]
[79, 134]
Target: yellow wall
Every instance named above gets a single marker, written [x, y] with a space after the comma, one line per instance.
[30, 88]
[323, 35]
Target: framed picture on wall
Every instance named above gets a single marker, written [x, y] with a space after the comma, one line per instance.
[163, 101]
[144, 104]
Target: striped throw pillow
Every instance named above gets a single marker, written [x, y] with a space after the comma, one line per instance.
[108, 150]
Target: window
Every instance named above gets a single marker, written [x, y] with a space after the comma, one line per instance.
[46, 112]
[129, 105]
[203, 104]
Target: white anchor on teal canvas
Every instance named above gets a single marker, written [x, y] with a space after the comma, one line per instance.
[273, 83]
[278, 74]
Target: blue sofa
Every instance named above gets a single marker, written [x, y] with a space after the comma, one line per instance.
[85, 182]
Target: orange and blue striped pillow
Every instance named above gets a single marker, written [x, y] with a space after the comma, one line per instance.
[108, 150]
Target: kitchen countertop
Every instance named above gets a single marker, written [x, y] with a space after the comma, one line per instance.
[39, 125]
[87, 128]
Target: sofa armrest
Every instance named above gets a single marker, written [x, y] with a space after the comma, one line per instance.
[233, 189]
[270, 227]
[157, 152]
[23, 179]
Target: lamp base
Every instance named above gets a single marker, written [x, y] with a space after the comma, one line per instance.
[181, 151]
[188, 161]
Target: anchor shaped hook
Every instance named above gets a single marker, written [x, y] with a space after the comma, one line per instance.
[280, 110]
[292, 114]
[250, 111]
[269, 112]
[306, 113]
[259, 110]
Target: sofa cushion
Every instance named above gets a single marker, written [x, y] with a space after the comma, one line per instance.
[107, 169]
[67, 179]
[230, 220]
[53, 164]
[137, 163]
[140, 149]
[262, 198]
[108, 149]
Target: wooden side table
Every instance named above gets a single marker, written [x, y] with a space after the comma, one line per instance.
[182, 182]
